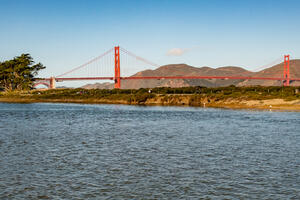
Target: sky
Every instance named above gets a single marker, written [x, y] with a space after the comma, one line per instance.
[62, 34]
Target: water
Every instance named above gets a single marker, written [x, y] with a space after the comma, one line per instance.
[72, 151]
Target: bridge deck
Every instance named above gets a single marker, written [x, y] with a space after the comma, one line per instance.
[172, 77]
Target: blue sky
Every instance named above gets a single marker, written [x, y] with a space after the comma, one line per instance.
[64, 34]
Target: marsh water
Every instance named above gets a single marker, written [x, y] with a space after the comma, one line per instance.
[77, 151]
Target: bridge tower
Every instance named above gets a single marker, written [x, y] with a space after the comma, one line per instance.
[117, 68]
[286, 72]
[52, 82]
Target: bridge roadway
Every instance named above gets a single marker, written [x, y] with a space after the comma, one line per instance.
[170, 77]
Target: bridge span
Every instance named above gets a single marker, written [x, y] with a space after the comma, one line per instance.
[116, 77]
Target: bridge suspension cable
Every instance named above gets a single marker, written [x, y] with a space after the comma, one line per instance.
[86, 64]
[270, 64]
[139, 58]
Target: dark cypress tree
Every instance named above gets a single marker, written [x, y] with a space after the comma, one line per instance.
[19, 73]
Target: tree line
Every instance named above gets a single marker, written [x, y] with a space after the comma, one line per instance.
[19, 73]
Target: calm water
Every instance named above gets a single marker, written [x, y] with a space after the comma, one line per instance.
[69, 151]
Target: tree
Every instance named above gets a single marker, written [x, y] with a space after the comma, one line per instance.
[19, 73]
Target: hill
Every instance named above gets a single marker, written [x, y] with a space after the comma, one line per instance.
[275, 71]
[187, 70]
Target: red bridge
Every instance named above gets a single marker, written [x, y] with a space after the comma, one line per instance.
[111, 59]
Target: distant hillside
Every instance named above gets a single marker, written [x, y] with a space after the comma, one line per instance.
[275, 71]
[99, 86]
[186, 70]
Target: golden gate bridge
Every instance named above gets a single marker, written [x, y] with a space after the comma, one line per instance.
[110, 69]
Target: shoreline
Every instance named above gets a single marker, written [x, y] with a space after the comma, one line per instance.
[270, 104]
[231, 97]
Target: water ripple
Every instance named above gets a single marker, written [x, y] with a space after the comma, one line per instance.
[72, 151]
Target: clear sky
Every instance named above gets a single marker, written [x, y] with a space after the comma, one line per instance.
[63, 34]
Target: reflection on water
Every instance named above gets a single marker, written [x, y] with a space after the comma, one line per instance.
[69, 151]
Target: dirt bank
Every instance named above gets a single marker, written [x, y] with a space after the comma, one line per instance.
[166, 100]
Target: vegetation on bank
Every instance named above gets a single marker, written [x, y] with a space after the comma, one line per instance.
[172, 96]
[18, 73]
